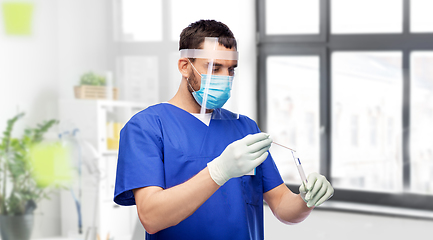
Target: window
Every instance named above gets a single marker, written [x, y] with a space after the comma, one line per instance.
[145, 46]
[367, 16]
[140, 78]
[421, 18]
[354, 131]
[292, 17]
[291, 20]
[367, 88]
[421, 119]
[372, 90]
[141, 20]
[293, 112]
[183, 13]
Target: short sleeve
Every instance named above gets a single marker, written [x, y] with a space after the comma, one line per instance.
[271, 175]
[140, 159]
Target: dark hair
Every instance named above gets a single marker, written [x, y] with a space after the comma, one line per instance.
[193, 36]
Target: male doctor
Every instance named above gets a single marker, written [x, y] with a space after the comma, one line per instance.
[197, 171]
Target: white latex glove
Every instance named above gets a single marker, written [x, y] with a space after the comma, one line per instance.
[240, 157]
[318, 190]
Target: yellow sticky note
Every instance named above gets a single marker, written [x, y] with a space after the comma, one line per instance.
[51, 164]
[18, 18]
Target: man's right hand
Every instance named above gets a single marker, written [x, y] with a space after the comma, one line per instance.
[240, 157]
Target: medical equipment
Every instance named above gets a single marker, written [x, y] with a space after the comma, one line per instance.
[216, 83]
[69, 141]
[284, 146]
[298, 164]
[83, 154]
[300, 169]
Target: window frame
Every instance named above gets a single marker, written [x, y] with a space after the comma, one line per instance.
[324, 45]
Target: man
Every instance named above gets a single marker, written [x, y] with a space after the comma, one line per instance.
[193, 169]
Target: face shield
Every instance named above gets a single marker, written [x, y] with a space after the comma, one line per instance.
[215, 65]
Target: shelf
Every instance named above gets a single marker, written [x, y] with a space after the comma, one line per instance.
[92, 117]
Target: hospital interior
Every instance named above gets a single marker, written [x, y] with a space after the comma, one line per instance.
[348, 84]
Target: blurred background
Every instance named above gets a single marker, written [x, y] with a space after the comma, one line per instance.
[348, 84]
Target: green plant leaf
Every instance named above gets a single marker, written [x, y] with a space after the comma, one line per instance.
[16, 168]
[93, 79]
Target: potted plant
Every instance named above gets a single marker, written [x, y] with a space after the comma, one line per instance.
[93, 86]
[19, 190]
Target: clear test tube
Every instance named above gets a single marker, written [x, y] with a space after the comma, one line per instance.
[298, 164]
[300, 169]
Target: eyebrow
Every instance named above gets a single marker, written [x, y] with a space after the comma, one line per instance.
[220, 65]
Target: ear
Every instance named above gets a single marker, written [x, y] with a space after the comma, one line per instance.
[182, 64]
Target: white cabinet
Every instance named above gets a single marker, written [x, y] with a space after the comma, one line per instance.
[93, 121]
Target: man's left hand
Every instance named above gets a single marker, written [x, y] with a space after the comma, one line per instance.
[318, 190]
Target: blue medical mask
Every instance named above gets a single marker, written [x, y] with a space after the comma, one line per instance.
[218, 93]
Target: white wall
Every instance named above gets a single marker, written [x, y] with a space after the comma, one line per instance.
[29, 83]
[68, 38]
[326, 224]
[83, 37]
[28, 69]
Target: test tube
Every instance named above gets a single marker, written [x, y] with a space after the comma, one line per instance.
[298, 165]
[300, 170]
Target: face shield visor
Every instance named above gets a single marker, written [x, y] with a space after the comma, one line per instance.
[214, 65]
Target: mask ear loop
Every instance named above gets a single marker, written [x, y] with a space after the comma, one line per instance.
[195, 68]
[187, 79]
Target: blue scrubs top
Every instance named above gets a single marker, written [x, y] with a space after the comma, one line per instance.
[164, 146]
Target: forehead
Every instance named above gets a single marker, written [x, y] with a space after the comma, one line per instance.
[219, 47]
[217, 62]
